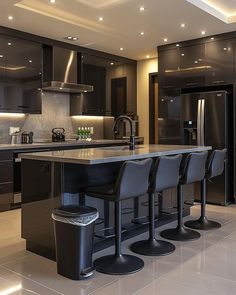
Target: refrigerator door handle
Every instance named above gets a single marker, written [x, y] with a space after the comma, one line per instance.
[203, 122]
[199, 113]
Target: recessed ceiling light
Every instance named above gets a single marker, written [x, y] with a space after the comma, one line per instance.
[60, 88]
[52, 1]
[165, 39]
[100, 18]
[203, 32]
[142, 33]
[121, 48]
[112, 63]
[196, 62]
[10, 17]
[225, 48]
[183, 25]
[9, 43]
[1, 56]
[70, 38]
[199, 59]
[212, 38]
[177, 45]
[182, 54]
[147, 56]
[30, 61]
[141, 8]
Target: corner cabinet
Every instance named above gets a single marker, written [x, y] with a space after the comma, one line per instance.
[20, 76]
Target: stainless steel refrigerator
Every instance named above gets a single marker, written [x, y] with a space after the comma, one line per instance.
[206, 119]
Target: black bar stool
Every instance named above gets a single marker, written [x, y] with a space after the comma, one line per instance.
[132, 182]
[193, 171]
[165, 175]
[215, 168]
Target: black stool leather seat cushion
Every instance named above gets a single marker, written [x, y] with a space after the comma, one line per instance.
[165, 173]
[216, 163]
[132, 181]
[194, 168]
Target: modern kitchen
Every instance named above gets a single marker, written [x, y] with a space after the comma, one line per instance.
[117, 147]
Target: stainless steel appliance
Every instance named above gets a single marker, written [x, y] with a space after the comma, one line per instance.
[205, 119]
[58, 134]
[27, 137]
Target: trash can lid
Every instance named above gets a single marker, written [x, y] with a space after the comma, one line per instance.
[71, 211]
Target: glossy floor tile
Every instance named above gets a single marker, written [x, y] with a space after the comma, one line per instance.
[205, 266]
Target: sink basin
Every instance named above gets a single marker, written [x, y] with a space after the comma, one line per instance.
[118, 148]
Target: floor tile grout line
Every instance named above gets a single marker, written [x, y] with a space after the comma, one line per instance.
[36, 282]
[102, 287]
[13, 260]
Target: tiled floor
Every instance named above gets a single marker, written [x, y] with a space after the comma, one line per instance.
[206, 266]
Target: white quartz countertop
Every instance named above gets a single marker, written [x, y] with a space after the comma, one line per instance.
[101, 155]
[59, 144]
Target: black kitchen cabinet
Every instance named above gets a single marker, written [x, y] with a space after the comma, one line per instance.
[6, 180]
[20, 76]
[220, 60]
[193, 66]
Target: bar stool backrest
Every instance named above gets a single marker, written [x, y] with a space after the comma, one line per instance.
[133, 179]
[216, 163]
[165, 173]
[194, 168]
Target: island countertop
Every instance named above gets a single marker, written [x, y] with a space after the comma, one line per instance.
[102, 155]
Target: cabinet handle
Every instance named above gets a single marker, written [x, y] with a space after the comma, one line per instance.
[5, 108]
[192, 84]
[23, 107]
[218, 82]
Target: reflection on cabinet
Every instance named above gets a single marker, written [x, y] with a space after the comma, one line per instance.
[6, 180]
[220, 59]
[20, 88]
[101, 72]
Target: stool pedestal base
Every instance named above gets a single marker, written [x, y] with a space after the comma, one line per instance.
[118, 265]
[180, 234]
[202, 224]
[153, 247]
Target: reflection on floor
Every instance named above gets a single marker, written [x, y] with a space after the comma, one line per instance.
[205, 266]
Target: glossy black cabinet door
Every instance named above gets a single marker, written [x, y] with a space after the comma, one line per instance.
[22, 82]
[220, 60]
[193, 66]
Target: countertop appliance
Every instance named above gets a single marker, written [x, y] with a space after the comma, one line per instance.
[58, 134]
[205, 119]
[27, 137]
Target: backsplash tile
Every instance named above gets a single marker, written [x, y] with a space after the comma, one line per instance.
[55, 113]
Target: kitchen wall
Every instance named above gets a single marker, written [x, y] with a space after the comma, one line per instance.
[55, 113]
[144, 68]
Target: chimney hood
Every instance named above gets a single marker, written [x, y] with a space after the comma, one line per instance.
[61, 68]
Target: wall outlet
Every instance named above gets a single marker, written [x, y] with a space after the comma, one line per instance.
[14, 130]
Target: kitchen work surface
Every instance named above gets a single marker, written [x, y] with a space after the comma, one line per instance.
[113, 154]
[202, 267]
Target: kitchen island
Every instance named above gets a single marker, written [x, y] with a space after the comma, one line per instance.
[52, 179]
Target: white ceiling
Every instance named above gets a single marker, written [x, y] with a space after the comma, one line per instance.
[122, 22]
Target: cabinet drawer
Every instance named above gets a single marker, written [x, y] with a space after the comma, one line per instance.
[6, 193]
[6, 156]
[6, 171]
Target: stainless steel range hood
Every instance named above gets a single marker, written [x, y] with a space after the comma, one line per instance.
[60, 71]
[56, 86]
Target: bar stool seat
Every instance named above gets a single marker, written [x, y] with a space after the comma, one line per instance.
[215, 168]
[165, 175]
[193, 171]
[132, 181]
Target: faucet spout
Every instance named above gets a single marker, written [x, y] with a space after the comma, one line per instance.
[132, 131]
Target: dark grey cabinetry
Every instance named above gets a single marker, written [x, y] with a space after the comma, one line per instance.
[220, 62]
[20, 76]
[103, 73]
[6, 180]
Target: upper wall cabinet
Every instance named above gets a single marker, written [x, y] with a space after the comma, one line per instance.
[192, 66]
[114, 85]
[20, 73]
[220, 60]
